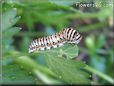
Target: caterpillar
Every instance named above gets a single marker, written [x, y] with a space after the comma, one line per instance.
[67, 35]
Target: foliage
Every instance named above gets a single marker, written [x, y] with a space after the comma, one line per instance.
[53, 57]
[39, 18]
[63, 68]
[13, 74]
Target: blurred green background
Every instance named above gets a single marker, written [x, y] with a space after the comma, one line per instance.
[25, 20]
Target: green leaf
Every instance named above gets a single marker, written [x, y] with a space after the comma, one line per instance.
[100, 41]
[29, 20]
[63, 2]
[67, 51]
[98, 63]
[69, 71]
[15, 74]
[24, 44]
[9, 19]
[11, 32]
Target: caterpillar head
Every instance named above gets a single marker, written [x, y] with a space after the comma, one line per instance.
[77, 39]
[72, 36]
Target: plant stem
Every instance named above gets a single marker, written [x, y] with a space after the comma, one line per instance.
[42, 72]
[30, 64]
[35, 34]
[104, 76]
[92, 26]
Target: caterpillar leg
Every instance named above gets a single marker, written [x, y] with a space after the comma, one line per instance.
[54, 46]
[61, 44]
[42, 48]
[48, 48]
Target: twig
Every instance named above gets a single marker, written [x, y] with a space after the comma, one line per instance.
[100, 74]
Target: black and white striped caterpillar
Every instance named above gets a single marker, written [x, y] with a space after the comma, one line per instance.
[67, 35]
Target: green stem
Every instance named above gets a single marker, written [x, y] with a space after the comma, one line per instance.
[92, 26]
[43, 77]
[30, 64]
[40, 71]
[104, 76]
[36, 68]
[31, 34]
